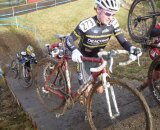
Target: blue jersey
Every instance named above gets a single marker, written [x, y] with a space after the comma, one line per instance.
[24, 57]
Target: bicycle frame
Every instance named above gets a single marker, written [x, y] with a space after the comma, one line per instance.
[63, 63]
[139, 18]
[64, 57]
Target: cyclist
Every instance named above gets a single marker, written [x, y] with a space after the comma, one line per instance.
[153, 53]
[27, 57]
[94, 33]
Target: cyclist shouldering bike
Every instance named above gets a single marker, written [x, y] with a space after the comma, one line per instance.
[153, 53]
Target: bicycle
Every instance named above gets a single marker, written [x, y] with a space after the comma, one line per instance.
[22, 72]
[154, 66]
[145, 39]
[55, 91]
[142, 18]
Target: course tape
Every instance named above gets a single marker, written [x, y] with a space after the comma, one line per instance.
[26, 8]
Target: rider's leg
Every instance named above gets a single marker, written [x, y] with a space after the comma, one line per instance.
[81, 79]
[143, 85]
[157, 77]
[27, 65]
[146, 83]
[84, 75]
[100, 89]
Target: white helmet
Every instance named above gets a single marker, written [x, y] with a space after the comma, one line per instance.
[109, 4]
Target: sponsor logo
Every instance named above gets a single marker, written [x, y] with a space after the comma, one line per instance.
[97, 42]
[105, 30]
[118, 30]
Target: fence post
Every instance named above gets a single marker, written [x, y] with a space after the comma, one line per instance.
[17, 22]
[13, 11]
[36, 6]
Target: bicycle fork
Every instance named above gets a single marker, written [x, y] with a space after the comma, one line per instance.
[110, 91]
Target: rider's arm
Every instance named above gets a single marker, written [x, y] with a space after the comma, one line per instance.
[120, 36]
[134, 51]
[73, 37]
[21, 54]
[34, 59]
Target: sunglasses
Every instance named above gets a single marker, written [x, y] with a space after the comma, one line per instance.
[108, 14]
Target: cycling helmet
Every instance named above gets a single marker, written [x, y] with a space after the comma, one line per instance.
[153, 53]
[29, 50]
[109, 4]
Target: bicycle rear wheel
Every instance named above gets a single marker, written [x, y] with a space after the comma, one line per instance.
[138, 28]
[52, 98]
[134, 111]
[14, 68]
[155, 80]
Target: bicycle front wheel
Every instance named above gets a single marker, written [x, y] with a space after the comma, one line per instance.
[25, 77]
[154, 78]
[140, 19]
[134, 113]
[52, 96]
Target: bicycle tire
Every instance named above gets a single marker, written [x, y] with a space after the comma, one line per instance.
[23, 80]
[14, 68]
[130, 117]
[30, 82]
[143, 28]
[51, 101]
[154, 86]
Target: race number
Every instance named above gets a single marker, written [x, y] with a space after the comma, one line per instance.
[87, 24]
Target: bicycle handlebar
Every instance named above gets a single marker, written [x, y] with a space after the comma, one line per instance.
[99, 68]
[125, 62]
[98, 60]
[113, 53]
[110, 54]
[104, 63]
